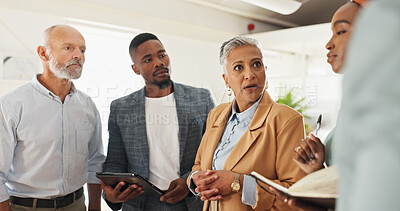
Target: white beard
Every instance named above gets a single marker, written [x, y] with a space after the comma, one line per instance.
[64, 72]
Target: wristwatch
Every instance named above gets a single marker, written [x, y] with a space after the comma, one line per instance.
[235, 186]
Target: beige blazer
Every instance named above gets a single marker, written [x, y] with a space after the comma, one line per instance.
[266, 147]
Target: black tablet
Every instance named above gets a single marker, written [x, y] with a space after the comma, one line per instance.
[113, 179]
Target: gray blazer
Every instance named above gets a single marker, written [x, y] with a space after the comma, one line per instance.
[128, 150]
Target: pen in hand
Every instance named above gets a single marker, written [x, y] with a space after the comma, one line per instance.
[318, 124]
[316, 132]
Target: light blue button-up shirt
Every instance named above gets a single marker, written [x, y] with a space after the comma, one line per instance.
[47, 148]
[236, 126]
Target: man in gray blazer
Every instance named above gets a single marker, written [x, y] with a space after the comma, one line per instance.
[155, 132]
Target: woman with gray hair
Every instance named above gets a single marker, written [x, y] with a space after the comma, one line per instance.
[252, 133]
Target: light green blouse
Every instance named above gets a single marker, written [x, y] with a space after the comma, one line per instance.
[329, 148]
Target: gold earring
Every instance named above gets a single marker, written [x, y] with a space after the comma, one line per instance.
[228, 91]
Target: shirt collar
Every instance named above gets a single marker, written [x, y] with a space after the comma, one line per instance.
[35, 83]
[245, 116]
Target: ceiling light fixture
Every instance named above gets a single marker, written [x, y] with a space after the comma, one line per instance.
[284, 7]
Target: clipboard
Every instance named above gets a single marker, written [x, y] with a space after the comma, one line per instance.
[113, 179]
[319, 187]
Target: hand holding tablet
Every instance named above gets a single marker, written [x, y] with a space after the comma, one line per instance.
[112, 179]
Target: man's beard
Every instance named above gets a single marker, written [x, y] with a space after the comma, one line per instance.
[164, 83]
[62, 71]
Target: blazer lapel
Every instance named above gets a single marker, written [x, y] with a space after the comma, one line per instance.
[251, 135]
[138, 108]
[183, 111]
[214, 135]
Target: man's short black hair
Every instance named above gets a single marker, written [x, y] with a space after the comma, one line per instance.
[141, 38]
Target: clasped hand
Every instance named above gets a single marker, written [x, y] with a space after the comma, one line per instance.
[213, 184]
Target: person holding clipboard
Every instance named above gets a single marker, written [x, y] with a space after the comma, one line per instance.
[310, 154]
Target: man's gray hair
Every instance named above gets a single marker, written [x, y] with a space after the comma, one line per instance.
[228, 46]
[46, 36]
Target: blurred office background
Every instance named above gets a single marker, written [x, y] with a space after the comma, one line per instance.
[293, 34]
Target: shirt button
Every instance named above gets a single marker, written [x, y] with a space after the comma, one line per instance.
[65, 181]
[65, 157]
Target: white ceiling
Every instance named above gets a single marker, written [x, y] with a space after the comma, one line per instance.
[208, 20]
[311, 11]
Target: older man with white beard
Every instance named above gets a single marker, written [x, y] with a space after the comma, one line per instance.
[50, 133]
